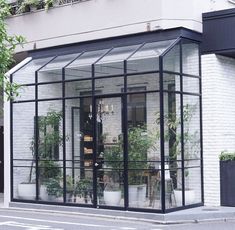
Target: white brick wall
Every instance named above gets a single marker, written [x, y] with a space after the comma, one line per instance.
[218, 82]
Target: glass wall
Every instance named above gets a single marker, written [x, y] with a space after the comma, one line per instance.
[117, 128]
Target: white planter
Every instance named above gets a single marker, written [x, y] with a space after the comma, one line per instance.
[112, 197]
[27, 191]
[137, 195]
[43, 193]
[189, 197]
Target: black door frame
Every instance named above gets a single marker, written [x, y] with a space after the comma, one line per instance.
[95, 156]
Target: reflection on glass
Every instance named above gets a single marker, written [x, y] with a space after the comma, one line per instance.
[171, 61]
[23, 156]
[113, 62]
[146, 81]
[190, 85]
[171, 82]
[26, 75]
[82, 66]
[190, 56]
[53, 70]
[76, 88]
[49, 91]
[147, 57]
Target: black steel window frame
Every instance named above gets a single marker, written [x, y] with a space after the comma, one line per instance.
[160, 77]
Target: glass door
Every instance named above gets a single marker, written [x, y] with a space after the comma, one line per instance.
[109, 164]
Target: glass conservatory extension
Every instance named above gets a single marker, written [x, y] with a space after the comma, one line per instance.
[117, 128]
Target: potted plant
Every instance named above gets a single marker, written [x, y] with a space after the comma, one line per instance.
[54, 189]
[112, 191]
[191, 140]
[84, 189]
[51, 3]
[227, 174]
[113, 162]
[49, 140]
[139, 142]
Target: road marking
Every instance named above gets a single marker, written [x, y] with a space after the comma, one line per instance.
[126, 228]
[57, 222]
[28, 226]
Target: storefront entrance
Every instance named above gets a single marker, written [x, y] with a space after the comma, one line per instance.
[116, 128]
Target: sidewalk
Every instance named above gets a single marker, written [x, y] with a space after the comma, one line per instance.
[1, 200]
[200, 214]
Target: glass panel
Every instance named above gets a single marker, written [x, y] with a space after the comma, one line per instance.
[147, 57]
[81, 67]
[53, 70]
[172, 136]
[79, 151]
[192, 177]
[145, 81]
[143, 150]
[190, 55]
[192, 148]
[113, 62]
[26, 75]
[109, 85]
[171, 82]
[50, 91]
[190, 85]
[26, 93]
[77, 88]
[24, 184]
[109, 146]
[50, 150]
[171, 61]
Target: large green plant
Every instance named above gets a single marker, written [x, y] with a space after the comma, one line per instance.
[8, 44]
[139, 142]
[49, 137]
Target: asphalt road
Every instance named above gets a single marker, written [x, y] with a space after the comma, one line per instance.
[29, 220]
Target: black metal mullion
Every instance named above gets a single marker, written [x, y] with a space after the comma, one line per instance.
[64, 134]
[162, 139]
[125, 138]
[201, 127]
[36, 133]
[182, 124]
[11, 144]
[94, 126]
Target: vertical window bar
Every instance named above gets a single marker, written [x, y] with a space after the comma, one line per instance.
[36, 133]
[11, 141]
[201, 125]
[163, 203]
[125, 137]
[94, 137]
[64, 141]
[182, 123]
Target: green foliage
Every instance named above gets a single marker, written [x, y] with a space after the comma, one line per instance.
[7, 46]
[26, 4]
[49, 169]
[53, 187]
[227, 156]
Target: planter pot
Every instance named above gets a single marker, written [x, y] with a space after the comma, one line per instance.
[189, 197]
[43, 193]
[137, 195]
[27, 191]
[112, 197]
[227, 184]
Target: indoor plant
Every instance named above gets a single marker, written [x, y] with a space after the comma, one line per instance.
[49, 140]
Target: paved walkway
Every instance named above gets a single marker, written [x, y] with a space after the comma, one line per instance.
[200, 214]
[1, 200]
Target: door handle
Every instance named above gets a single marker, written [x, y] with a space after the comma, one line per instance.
[96, 164]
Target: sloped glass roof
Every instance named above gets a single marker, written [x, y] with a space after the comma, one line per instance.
[139, 58]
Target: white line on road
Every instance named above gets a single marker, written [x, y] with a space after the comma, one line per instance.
[57, 222]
